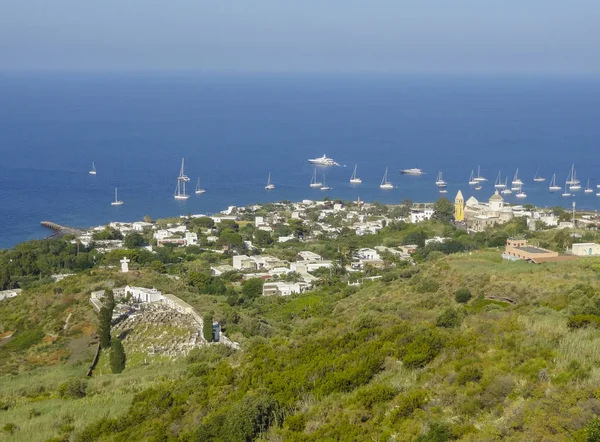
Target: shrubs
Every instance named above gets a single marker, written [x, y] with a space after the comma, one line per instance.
[592, 431]
[469, 373]
[376, 395]
[450, 318]
[249, 417]
[463, 295]
[582, 321]
[410, 402]
[420, 348]
[207, 330]
[117, 356]
[74, 388]
[10, 428]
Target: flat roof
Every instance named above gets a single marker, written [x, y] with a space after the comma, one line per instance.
[530, 249]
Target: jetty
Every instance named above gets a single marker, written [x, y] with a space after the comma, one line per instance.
[60, 230]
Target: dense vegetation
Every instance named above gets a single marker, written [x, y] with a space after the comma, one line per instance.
[461, 346]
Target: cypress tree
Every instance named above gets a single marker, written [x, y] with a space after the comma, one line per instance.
[207, 329]
[105, 319]
[117, 356]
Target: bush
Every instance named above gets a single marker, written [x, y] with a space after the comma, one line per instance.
[10, 428]
[376, 395]
[592, 431]
[427, 285]
[469, 373]
[462, 296]
[296, 422]
[249, 417]
[117, 356]
[74, 388]
[410, 402]
[252, 288]
[438, 432]
[421, 349]
[207, 331]
[450, 318]
[582, 321]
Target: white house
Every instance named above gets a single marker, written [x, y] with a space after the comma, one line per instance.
[142, 294]
[585, 249]
[283, 288]
[368, 254]
[243, 262]
[219, 270]
[306, 255]
[286, 238]
[309, 266]
[417, 216]
[139, 226]
[191, 239]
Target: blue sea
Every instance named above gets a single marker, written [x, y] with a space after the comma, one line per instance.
[233, 130]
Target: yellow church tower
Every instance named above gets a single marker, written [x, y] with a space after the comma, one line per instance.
[459, 207]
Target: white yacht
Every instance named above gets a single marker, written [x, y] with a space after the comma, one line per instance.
[472, 181]
[479, 178]
[270, 185]
[314, 182]
[566, 192]
[93, 171]
[325, 186]
[443, 190]
[323, 161]
[199, 190]
[588, 189]
[182, 176]
[520, 194]
[537, 178]
[440, 180]
[572, 179]
[499, 184]
[385, 184]
[116, 202]
[516, 180]
[478, 186]
[354, 179]
[553, 187]
[413, 171]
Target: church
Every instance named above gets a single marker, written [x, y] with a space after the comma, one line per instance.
[479, 216]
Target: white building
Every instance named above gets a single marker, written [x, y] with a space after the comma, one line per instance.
[283, 288]
[243, 262]
[139, 226]
[306, 255]
[309, 266]
[191, 239]
[585, 249]
[367, 254]
[286, 238]
[219, 270]
[417, 216]
[143, 294]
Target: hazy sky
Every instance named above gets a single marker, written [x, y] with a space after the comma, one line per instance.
[302, 35]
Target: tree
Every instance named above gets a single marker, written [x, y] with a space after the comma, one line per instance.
[262, 238]
[157, 266]
[147, 219]
[230, 238]
[443, 210]
[252, 288]
[463, 295]
[207, 330]
[204, 222]
[133, 240]
[117, 356]
[105, 319]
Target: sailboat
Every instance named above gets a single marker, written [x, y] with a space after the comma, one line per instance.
[499, 184]
[182, 175]
[116, 202]
[325, 186]
[270, 185]
[588, 189]
[566, 192]
[516, 180]
[443, 190]
[354, 179]
[472, 181]
[93, 171]
[440, 180]
[520, 194]
[572, 178]
[479, 178]
[506, 190]
[199, 190]
[538, 179]
[385, 184]
[553, 187]
[314, 182]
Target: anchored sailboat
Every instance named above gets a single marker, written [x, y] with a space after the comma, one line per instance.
[499, 184]
[566, 191]
[538, 179]
[588, 189]
[116, 202]
[479, 178]
[325, 186]
[354, 179]
[181, 180]
[553, 187]
[269, 186]
[472, 180]
[93, 171]
[572, 178]
[516, 180]
[385, 184]
[199, 190]
[314, 182]
[440, 180]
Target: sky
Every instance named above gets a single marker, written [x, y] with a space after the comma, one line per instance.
[530, 36]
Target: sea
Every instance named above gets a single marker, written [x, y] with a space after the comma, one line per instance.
[235, 129]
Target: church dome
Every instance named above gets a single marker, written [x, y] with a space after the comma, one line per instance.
[496, 197]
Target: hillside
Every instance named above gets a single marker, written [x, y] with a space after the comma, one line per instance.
[395, 359]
